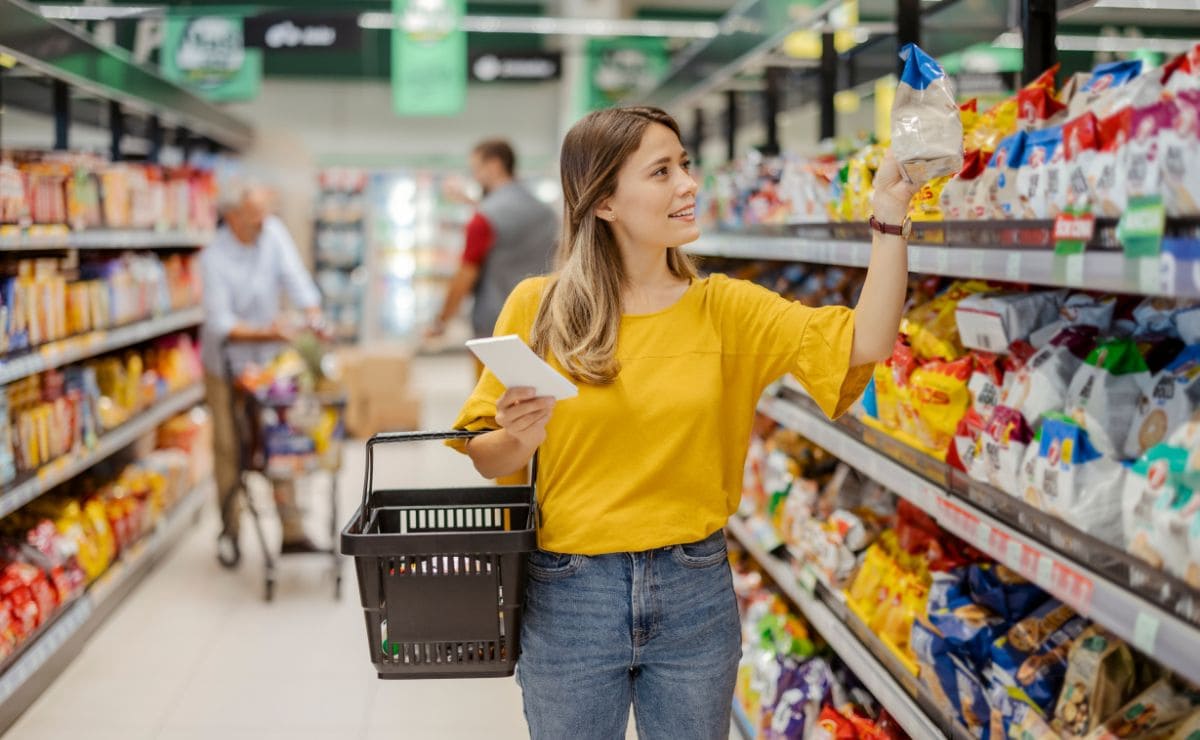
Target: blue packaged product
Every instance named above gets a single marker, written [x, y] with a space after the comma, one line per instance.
[1003, 169]
[927, 133]
[1003, 591]
[968, 629]
[1029, 661]
[1113, 74]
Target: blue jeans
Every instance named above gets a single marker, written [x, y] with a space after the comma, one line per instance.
[658, 630]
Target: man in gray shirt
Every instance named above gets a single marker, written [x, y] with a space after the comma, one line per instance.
[512, 236]
[250, 264]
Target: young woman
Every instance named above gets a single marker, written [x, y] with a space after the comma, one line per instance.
[630, 598]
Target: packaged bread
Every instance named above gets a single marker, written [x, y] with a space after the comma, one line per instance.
[1040, 386]
[1030, 660]
[927, 131]
[993, 321]
[1172, 398]
[1103, 396]
[1181, 147]
[1074, 482]
[1101, 677]
[1154, 714]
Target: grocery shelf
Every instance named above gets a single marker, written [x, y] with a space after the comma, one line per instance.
[61, 51]
[1103, 270]
[68, 466]
[44, 657]
[900, 699]
[73, 349]
[105, 239]
[1166, 628]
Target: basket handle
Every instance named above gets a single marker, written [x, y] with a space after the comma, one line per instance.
[398, 437]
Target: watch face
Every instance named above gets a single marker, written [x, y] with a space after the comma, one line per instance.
[906, 229]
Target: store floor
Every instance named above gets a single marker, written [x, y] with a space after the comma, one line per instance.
[195, 653]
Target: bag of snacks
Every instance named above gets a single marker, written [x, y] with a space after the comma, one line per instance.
[1151, 715]
[1172, 398]
[993, 321]
[1030, 660]
[1040, 386]
[927, 130]
[1101, 81]
[1103, 395]
[1034, 198]
[1101, 676]
[955, 197]
[1073, 481]
[1180, 143]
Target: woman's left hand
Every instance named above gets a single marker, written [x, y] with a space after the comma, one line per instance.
[893, 193]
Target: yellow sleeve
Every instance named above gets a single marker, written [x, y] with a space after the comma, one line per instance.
[479, 412]
[780, 336]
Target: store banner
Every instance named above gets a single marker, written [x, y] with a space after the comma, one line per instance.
[429, 58]
[302, 31]
[208, 54]
[619, 67]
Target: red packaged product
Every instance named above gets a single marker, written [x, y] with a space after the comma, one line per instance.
[1037, 106]
[832, 725]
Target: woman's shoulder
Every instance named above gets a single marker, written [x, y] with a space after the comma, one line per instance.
[530, 290]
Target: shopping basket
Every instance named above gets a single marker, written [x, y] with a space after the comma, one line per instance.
[441, 572]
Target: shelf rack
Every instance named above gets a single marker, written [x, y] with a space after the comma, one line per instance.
[42, 658]
[1018, 252]
[73, 349]
[63, 469]
[1044, 550]
[898, 691]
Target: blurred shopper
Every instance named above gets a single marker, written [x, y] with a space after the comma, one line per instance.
[512, 236]
[630, 599]
[249, 264]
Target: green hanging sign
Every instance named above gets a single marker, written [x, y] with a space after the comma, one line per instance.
[429, 58]
[208, 54]
[621, 66]
[1140, 229]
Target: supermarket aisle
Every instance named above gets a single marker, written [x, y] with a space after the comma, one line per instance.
[195, 652]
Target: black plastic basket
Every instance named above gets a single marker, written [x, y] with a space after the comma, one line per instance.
[441, 572]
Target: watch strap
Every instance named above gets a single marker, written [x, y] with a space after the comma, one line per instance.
[883, 228]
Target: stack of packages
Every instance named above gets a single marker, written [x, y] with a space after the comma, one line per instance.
[63, 412]
[998, 655]
[77, 191]
[789, 687]
[1008, 661]
[1120, 131]
[40, 303]
[757, 190]
[1078, 404]
[54, 547]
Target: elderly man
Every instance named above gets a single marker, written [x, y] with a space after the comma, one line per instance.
[250, 263]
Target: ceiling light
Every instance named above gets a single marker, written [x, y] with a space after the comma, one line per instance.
[99, 12]
[1111, 44]
[1148, 4]
[552, 26]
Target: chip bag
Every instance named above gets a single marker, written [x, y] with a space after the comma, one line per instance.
[1071, 480]
[1152, 714]
[931, 327]
[1003, 591]
[1037, 108]
[955, 197]
[1102, 80]
[993, 321]
[1040, 386]
[1001, 175]
[940, 397]
[1030, 660]
[1002, 450]
[1101, 676]
[1107, 178]
[1180, 143]
[1172, 397]
[1034, 171]
[1103, 396]
[927, 130]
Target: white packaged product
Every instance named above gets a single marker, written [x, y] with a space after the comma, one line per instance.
[1103, 395]
[1074, 482]
[1033, 187]
[1172, 399]
[1040, 387]
[1143, 154]
[1181, 150]
[993, 321]
[1101, 84]
[927, 133]
[1079, 309]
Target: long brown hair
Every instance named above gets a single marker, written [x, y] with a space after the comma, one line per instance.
[580, 313]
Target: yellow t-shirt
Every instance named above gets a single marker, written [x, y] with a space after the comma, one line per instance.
[656, 458]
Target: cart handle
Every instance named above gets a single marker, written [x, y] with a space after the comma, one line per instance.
[397, 437]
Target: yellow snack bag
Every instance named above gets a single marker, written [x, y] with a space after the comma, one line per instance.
[940, 397]
[927, 204]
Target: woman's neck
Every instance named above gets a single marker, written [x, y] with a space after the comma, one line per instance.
[646, 269]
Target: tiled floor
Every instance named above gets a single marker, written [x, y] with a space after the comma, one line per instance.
[195, 654]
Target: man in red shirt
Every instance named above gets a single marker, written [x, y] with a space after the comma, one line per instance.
[512, 236]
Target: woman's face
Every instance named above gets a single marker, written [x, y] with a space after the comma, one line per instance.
[655, 201]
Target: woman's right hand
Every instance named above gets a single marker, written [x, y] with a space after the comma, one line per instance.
[523, 416]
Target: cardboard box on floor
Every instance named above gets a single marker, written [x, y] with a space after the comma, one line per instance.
[377, 394]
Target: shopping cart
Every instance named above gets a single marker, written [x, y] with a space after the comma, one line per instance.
[272, 431]
[441, 572]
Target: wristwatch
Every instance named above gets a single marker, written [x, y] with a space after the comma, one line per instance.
[903, 229]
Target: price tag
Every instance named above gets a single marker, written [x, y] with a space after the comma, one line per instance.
[983, 535]
[1012, 555]
[1045, 569]
[976, 263]
[1012, 266]
[1074, 269]
[808, 579]
[1145, 632]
